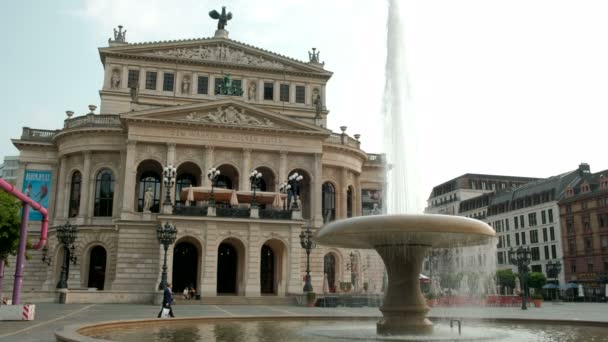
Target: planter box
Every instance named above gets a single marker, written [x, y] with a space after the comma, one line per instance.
[537, 303]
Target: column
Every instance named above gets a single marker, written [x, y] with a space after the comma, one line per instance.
[260, 90]
[63, 189]
[308, 99]
[244, 83]
[252, 261]
[316, 190]
[129, 182]
[357, 196]
[209, 163]
[83, 211]
[322, 90]
[292, 93]
[124, 79]
[343, 191]
[276, 91]
[245, 170]
[142, 80]
[159, 80]
[194, 84]
[211, 91]
[282, 167]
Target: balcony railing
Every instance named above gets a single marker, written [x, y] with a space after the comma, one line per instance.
[375, 158]
[33, 134]
[268, 214]
[343, 139]
[93, 120]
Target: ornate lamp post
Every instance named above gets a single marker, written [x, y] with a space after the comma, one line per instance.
[255, 178]
[521, 258]
[294, 185]
[66, 234]
[212, 174]
[308, 244]
[166, 236]
[284, 188]
[45, 258]
[169, 173]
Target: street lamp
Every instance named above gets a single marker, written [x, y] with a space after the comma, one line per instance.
[166, 236]
[294, 183]
[521, 259]
[284, 188]
[169, 173]
[66, 234]
[308, 244]
[255, 178]
[212, 174]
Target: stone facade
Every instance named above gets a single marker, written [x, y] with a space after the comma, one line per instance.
[159, 107]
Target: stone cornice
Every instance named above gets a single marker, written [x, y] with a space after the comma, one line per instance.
[88, 130]
[134, 51]
[31, 143]
[344, 148]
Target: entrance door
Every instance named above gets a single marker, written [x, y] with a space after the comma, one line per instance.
[329, 267]
[226, 269]
[185, 266]
[267, 270]
[97, 267]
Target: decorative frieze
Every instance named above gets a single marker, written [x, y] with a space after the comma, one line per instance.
[222, 53]
[229, 116]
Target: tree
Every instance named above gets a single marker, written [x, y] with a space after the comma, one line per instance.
[10, 226]
[505, 278]
[536, 280]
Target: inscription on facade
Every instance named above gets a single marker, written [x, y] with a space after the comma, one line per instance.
[228, 137]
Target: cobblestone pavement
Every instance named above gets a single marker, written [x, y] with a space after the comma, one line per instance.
[51, 317]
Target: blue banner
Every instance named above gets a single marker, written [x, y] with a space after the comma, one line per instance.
[37, 186]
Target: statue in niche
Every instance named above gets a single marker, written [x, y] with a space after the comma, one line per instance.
[316, 100]
[186, 85]
[251, 92]
[148, 197]
[115, 80]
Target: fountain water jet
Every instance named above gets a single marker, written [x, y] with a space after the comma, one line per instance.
[402, 241]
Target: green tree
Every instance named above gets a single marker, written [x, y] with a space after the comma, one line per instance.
[505, 278]
[450, 280]
[10, 226]
[536, 280]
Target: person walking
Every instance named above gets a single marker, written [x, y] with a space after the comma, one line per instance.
[167, 301]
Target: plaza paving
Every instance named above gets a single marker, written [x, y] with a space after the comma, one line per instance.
[50, 316]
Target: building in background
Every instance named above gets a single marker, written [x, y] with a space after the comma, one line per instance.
[10, 168]
[584, 229]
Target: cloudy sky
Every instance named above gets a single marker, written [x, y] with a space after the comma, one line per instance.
[499, 87]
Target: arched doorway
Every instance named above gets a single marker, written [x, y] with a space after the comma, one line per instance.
[97, 267]
[228, 178]
[268, 181]
[267, 270]
[185, 266]
[187, 175]
[329, 268]
[227, 266]
[328, 202]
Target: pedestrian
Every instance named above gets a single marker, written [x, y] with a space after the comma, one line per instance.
[167, 301]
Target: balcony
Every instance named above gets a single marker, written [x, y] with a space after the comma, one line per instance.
[375, 158]
[93, 120]
[343, 139]
[232, 212]
[42, 135]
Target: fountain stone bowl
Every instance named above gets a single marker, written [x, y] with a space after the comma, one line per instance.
[402, 242]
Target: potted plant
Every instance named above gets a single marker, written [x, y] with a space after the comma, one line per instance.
[311, 298]
[431, 299]
[537, 299]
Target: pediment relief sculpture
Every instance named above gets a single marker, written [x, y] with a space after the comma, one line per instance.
[229, 116]
[221, 53]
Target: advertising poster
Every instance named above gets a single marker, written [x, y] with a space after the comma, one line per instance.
[37, 186]
[371, 202]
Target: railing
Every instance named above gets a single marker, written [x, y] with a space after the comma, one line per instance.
[93, 120]
[275, 214]
[343, 139]
[233, 212]
[34, 134]
[189, 211]
[271, 214]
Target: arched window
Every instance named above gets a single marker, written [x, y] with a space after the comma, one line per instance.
[185, 180]
[349, 202]
[104, 193]
[149, 180]
[329, 202]
[75, 186]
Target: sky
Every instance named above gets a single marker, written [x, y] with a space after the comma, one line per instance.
[497, 87]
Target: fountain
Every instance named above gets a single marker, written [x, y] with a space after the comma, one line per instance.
[402, 241]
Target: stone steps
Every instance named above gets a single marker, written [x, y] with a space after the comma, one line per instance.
[239, 300]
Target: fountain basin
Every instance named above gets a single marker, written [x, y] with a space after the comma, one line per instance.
[402, 242]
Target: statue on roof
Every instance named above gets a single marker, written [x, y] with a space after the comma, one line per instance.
[313, 56]
[222, 18]
[120, 36]
[226, 87]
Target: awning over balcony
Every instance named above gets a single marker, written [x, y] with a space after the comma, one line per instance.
[233, 197]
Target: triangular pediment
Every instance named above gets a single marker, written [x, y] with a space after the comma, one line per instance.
[221, 51]
[227, 113]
